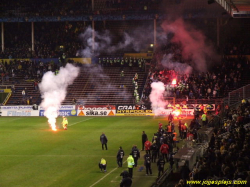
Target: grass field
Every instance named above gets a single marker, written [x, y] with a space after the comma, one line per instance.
[32, 155]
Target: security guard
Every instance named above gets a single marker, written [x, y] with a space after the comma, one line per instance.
[65, 123]
[135, 154]
[137, 98]
[160, 165]
[103, 165]
[120, 156]
[131, 163]
[204, 119]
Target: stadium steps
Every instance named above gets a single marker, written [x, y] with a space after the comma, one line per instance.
[88, 90]
[17, 98]
[107, 90]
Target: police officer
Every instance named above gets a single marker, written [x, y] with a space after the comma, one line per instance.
[104, 141]
[160, 165]
[154, 149]
[104, 61]
[124, 174]
[126, 180]
[120, 156]
[147, 163]
[144, 139]
[135, 154]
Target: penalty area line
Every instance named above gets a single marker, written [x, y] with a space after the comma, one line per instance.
[80, 121]
[105, 176]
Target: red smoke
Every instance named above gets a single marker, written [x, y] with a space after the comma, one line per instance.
[193, 41]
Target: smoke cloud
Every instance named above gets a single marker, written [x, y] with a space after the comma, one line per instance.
[103, 41]
[100, 82]
[156, 97]
[53, 90]
[194, 44]
[182, 68]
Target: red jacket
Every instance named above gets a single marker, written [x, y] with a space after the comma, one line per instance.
[169, 128]
[164, 148]
[175, 136]
[147, 145]
[183, 127]
[160, 125]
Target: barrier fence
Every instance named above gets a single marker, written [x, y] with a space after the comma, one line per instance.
[236, 96]
[105, 110]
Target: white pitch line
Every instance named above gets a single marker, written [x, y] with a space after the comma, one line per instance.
[3, 120]
[105, 176]
[80, 121]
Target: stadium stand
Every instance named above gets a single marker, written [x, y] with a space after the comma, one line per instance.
[94, 85]
[226, 153]
[103, 86]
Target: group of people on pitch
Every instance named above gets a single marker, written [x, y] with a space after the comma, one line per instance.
[161, 147]
[126, 176]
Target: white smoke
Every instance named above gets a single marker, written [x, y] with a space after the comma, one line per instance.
[156, 97]
[53, 90]
[103, 42]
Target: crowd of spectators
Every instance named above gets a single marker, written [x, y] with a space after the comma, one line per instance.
[51, 40]
[46, 8]
[227, 157]
[75, 7]
[29, 70]
[215, 83]
[237, 48]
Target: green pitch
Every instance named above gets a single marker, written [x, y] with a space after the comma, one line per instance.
[32, 155]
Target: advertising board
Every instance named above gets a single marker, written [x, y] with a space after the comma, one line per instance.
[133, 110]
[21, 107]
[96, 110]
[20, 113]
[183, 112]
[62, 107]
[61, 112]
[64, 110]
[209, 107]
[22, 110]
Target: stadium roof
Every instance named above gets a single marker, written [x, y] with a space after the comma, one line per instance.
[237, 8]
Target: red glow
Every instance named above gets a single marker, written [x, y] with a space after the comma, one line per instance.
[174, 81]
[177, 112]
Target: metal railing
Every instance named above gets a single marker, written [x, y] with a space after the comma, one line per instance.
[5, 86]
[7, 98]
[236, 96]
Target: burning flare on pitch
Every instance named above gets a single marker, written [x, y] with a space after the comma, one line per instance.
[51, 114]
[177, 112]
[53, 90]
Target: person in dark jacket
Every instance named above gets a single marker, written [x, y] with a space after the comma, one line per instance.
[144, 139]
[126, 182]
[104, 141]
[154, 149]
[135, 154]
[120, 156]
[160, 165]
[147, 163]
[124, 174]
